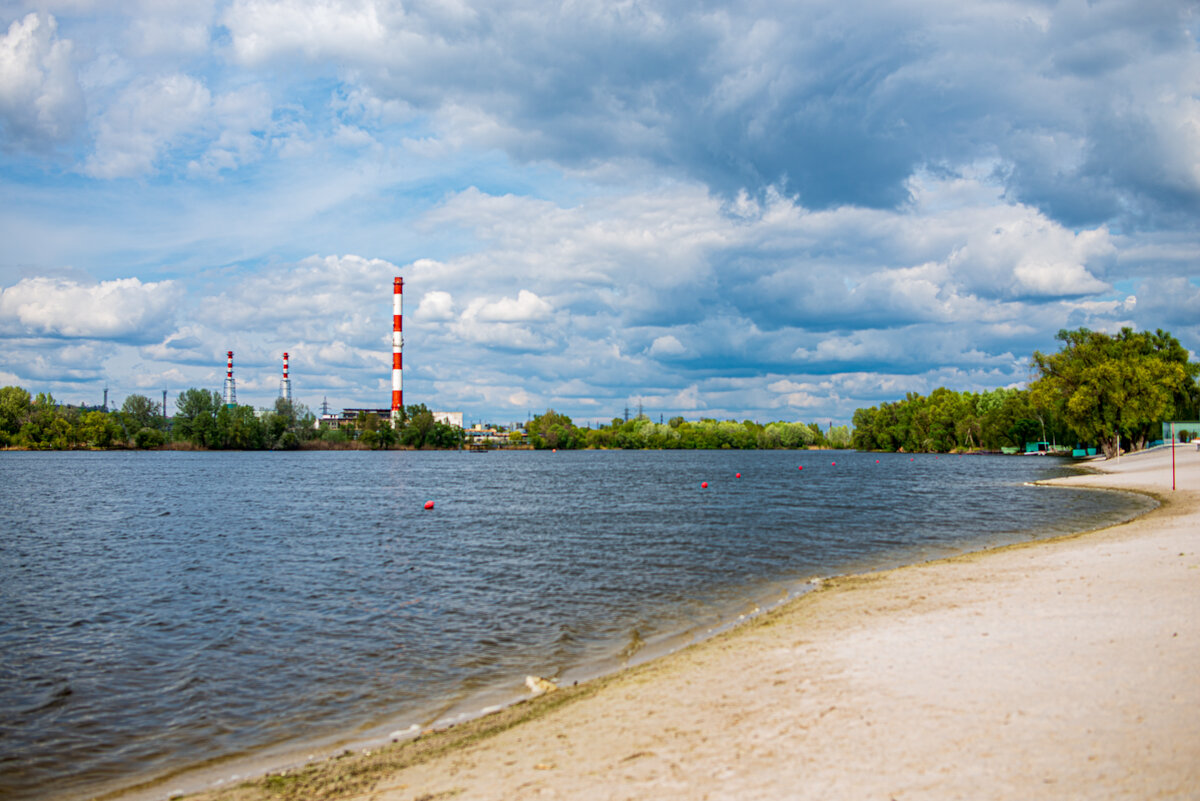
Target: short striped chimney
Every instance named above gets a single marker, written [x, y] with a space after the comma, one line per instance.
[230, 389]
[397, 348]
[285, 384]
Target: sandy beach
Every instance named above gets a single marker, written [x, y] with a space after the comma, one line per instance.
[1058, 669]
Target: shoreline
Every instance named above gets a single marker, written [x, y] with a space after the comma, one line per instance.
[566, 744]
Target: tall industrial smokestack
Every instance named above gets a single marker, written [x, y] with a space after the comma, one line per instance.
[285, 384]
[230, 389]
[397, 348]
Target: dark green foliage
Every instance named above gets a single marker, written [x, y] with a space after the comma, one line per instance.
[552, 430]
[1096, 389]
[99, 430]
[444, 435]
[387, 435]
[195, 418]
[1115, 388]
[947, 420]
[418, 429]
[240, 429]
[140, 412]
[555, 430]
[150, 438]
[201, 420]
[335, 436]
[416, 425]
[14, 409]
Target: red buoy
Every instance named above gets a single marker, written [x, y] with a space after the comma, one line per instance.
[833, 464]
[428, 504]
[739, 475]
[703, 485]
[801, 467]
[876, 461]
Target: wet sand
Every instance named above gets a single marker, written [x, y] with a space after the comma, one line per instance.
[1058, 669]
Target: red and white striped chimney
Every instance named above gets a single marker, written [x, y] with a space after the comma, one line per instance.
[230, 389]
[397, 347]
[285, 386]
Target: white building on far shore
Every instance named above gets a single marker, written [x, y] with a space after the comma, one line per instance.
[450, 418]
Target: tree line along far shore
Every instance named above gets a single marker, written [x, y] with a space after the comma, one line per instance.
[202, 421]
[1098, 390]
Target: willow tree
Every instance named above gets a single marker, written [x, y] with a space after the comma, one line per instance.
[1111, 387]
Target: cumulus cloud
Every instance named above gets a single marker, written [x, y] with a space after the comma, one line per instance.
[152, 117]
[436, 306]
[133, 132]
[666, 346]
[1089, 108]
[526, 307]
[169, 27]
[764, 286]
[124, 310]
[41, 103]
[320, 297]
[1169, 303]
[265, 29]
[737, 208]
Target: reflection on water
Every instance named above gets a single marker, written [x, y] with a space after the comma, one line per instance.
[162, 609]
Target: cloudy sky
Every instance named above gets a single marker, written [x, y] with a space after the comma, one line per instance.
[772, 210]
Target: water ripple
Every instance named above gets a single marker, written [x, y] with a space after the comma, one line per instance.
[172, 608]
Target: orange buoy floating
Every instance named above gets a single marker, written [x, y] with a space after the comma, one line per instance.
[428, 504]
[703, 485]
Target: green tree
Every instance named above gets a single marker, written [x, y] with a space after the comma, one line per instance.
[335, 436]
[387, 434]
[63, 434]
[444, 435]
[150, 438]
[30, 436]
[140, 412]
[1109, 387]
[195, 418]
[838, 437]
[553, 430]
[99, 430]
[43, 410]
[417, 423]
[240, 429]
[15, 404]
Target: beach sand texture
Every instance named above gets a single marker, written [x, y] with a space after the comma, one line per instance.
[1060, 669]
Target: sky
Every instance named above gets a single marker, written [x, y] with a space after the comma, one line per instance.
[752, 210]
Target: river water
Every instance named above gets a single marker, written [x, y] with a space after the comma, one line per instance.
[163, 610]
